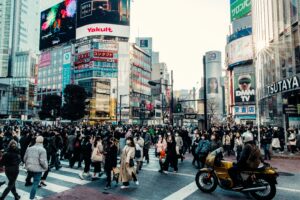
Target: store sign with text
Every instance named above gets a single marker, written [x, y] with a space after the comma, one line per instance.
[244, 110]
[284, 85]
[239, 8]
[102, 29]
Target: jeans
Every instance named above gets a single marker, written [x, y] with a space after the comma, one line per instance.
[11, 174]
[36, 180]
[266, 148]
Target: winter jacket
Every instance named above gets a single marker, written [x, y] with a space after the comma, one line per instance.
[36, 158]
[203, 147]
[11, 159]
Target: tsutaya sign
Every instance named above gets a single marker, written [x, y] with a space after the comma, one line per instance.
[284, 85]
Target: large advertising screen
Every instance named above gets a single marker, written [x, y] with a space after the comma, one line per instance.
[58, 24]
[240, 50]
[239, 8]
[103, 17]
[244, 88]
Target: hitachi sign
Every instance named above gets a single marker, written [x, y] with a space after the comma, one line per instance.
[284, 85]
[241, 7]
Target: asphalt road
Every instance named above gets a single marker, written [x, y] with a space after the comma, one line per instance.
[65, 184]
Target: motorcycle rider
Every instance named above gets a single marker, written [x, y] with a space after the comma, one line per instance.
[250, 159]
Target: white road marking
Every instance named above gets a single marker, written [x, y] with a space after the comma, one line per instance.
[66, 178]
[50, 186]
[156, 170]
[22, 193]
[288, 189]
[183, 192]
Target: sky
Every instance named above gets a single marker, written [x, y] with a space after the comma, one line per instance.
[182, 32]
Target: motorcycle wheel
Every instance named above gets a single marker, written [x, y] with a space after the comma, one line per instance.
[267, 194]
[206, 184]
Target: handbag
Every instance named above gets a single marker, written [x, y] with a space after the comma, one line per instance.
[97, 156]
[131, 163]
[138, 154]
[162, 154]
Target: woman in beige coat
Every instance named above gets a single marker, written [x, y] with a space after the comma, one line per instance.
[127, 171]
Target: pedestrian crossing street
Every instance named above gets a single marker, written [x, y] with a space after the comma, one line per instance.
[61, 180]
[57, 181]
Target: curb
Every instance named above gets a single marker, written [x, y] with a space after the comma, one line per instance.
[285, 157]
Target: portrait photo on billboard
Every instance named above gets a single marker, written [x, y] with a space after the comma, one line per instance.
[103, 11]
[212, 85]
[244, 88]
[58, 24]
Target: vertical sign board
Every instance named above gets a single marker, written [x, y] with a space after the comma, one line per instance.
[66, 72]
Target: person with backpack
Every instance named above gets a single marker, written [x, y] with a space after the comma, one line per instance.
[250, 159]
[203, 149]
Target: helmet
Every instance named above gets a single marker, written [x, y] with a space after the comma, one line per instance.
[247, 137]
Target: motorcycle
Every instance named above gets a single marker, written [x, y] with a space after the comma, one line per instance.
[260, 182]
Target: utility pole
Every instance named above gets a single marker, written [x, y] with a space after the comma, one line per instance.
[172, 99]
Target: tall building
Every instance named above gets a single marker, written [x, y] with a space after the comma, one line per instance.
[212, 66]
[19, 22]
[277, 61]
[18, 54]
[240, 76]
[5, 34]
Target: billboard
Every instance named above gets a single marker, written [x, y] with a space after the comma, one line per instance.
[66, 72]
[244, 88]
[239, 8]
[58, 24]
[104, 17]
[213, 68]
[240, 50]
[45, 59]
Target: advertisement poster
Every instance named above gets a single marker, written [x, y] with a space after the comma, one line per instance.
[45, 59]
[58, 24]
[240, 50]
[212, 85]
[244, 88]
[110, 17]
[239, 8]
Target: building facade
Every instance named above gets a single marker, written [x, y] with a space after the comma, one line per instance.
[277, 61]
[240, 76]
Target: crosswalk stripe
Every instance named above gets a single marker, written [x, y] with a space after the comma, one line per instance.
[50, 186]
[65, 178]
[183, 192]
[76, 171]
[22, 193]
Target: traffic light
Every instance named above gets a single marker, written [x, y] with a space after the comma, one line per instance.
[178, 108]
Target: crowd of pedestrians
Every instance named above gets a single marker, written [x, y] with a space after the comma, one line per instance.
[120, 152]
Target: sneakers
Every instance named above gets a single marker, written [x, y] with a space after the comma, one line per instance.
[28, 184]
[137, 183]
[124, 187]
[107, 187]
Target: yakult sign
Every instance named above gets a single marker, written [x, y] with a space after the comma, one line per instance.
[239, 8]
[109, 18]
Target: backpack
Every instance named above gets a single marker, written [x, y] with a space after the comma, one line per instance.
[254, 158]
[205, 148]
